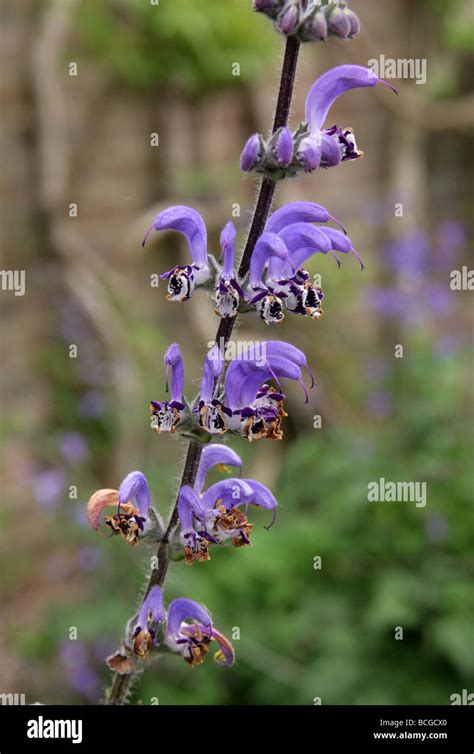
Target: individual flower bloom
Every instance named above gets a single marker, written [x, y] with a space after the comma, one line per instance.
[166, 415]
[269, 306]
[151, 614]
[211, 410]
[258, 407]
[325, 90]
[183, 279]
[214, 516]
[212, 455]
[190, 631]
[132, 501]
[228, 290]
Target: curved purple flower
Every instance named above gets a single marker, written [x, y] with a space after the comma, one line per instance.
[183, 279]
[257, 407]
[166, 415]
[269, 307]
[228, 290]
[191, 640]
[336, 144]
[215, 455]
[151, 615]
[188, 630]
[132, 501]
[214, 517]
[211, 410]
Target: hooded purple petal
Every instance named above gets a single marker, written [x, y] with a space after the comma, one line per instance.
[189, 506]
[297, 212]
[268, 245]
[330, 85]
[152, 610]
[183, 609]
[187, 221]
[213, 367]
[135, 486]
[284, 147]
[230, 492]
[227, 242]
[174, 359]
[250, 153]
[214, 455]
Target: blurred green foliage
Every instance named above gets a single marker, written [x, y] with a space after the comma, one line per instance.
[177, 44]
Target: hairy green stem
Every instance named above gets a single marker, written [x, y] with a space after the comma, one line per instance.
[121, 683]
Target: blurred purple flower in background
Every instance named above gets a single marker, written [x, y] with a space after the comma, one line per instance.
[92, 404]
[73, 446]
[79, 673]
[48, 488]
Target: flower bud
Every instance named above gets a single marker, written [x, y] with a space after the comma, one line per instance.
[319, 27]
[284, 147]
[353, 21]
[250, 153]
[339, 23]
[309, 152]
[288, 21]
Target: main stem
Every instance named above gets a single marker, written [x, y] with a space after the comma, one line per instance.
[121, 684]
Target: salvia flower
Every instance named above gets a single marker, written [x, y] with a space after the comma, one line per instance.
[311, 20]
[250, 406]
[183, 279]
[277, 281]
[186, 628]
[132, 501]
[228, 290]
[312, 146]
[215, 517]
[165, 415]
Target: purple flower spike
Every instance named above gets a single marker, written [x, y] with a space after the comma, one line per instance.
[166, 415]
[188, 222]
[284, 147]
[135, 487]
[215, 455]
[250, 153]
[330, 85]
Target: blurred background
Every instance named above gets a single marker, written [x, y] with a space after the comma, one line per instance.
[72, 425]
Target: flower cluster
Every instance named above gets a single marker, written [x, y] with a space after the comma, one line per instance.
[276, 281]
[186, 628]
[311, 20]
[245, 402]
[310, 146]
